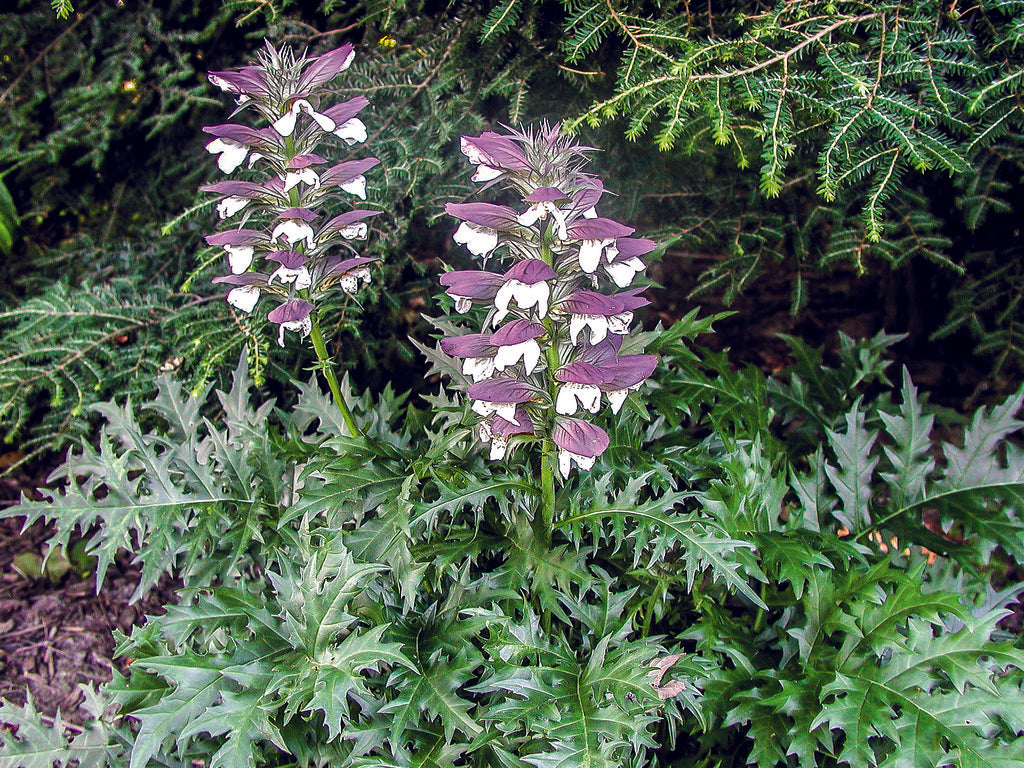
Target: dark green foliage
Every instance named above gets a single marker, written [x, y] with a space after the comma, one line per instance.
[389, 599]
[8, 220]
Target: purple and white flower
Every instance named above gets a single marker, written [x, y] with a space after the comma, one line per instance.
[348, 273]
[564, 260]
[300, 168]
[517, 341]
[237, 195]
[246, 292]
[350, 128]
[594, 236]
[292, 315]
[476, 352]
[469, 285]
[350, 225]
[232, 144]
[595, 311]
[349, 175]
[581, 387]
[542, 202]
[624, 261]
[282, 89]
[481, 223]
[578, 442]
[295, 227]
[292, 270]
[627, 373]
[493, 154]
[246, 83]
[500, 396]
[285, 124]
[499, 431]
[526, 284]
[240, 245]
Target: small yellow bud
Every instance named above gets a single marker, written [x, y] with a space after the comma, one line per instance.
[387, 42]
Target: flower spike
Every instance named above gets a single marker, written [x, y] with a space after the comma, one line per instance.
[284, 252]
[558, 298]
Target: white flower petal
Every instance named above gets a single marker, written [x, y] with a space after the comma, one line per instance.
[531, 356]
[486, 173]
[244, 297]
[285, 124]
[527, 296]
[589, 396]
[220, 82]
[598, 327]
[231, 153]
[508, 355]
[352, 131]
[299, 276]
[564, 462]
[462, 303]
[229, 206]
[355, 231]
[306, 175]
[499, 446]
[356, 186]
[618, 324]
[478, 367]
[322, 120]
[559, 218]
[302, 326]
[532, 214]
[576, 324]
[590, 255]
[471, 151]
[567, 458]
[590, 213]
[507, 411]
[527, 351]
[616, 398]
[293, 231]
[239, 257]
[478, 240]
[621, 273]
[502, 299]
[483, 408]
[565, 401]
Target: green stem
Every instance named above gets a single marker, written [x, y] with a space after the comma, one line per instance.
[547, 488]
[327, 366]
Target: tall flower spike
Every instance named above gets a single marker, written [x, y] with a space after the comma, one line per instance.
[285, 251]
[556, 296]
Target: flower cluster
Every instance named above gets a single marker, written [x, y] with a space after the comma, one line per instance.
[557, 315]
[281, 245]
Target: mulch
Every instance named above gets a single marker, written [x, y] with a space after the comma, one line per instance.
[57, 636]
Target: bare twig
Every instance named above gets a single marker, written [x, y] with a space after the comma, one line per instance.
[43, 53]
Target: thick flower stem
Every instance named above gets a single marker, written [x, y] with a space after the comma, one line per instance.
[327, 366]
[547, 489]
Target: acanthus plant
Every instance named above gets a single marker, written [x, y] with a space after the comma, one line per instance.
[282, 246]
[557, 311]
[399, 597]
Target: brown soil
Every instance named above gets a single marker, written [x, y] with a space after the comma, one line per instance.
[57, 636]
